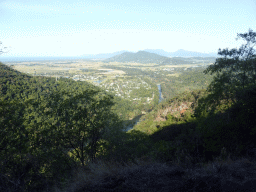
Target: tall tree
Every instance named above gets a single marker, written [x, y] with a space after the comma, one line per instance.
[14, 161]
[235, 71]
[80, 124]
[2, 48]
[233, 93]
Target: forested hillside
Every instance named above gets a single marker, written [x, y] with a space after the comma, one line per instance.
[48, 126]
[63, 135]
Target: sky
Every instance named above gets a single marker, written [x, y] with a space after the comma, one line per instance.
[32, 28]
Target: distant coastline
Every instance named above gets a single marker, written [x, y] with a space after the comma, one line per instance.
[102, 56]
[22, 59]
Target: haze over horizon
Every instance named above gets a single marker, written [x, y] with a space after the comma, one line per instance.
[53, 28]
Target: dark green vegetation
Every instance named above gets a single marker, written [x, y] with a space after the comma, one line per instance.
[49, 126]
[54, 134]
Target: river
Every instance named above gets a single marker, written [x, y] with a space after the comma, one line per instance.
[136, 119]
[160, 93]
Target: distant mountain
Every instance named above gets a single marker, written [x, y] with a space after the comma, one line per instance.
[139, 57]
[184, 53]
[159, 52]
[147, 57]
[103, 55]
[181, 53]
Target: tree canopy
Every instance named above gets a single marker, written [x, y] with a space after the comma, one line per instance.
[235, 71]
[2, 48]
[48, 127]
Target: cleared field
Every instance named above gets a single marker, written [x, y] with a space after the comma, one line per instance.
[177, 66]
[81, 67]
[78, 67]
[112, 72]
[174, 74]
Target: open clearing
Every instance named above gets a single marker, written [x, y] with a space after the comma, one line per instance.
[81, 67]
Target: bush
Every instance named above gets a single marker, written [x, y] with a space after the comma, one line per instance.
[163, 151]
[235, 134]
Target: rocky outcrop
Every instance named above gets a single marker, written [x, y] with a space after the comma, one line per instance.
[162, 113]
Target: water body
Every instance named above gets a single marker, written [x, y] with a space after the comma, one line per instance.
[133, 122]
[99, 81]
[160, 93]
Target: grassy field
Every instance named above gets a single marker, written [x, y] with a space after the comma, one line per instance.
[77, 66]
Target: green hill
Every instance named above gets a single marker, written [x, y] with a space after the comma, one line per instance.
[139, 57]
[48, 124]
[146, 57]
[17, 85]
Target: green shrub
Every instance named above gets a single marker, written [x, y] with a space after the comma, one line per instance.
[234, 134]
[163, 150]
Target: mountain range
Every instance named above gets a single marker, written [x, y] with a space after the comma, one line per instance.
[147, 57]
[160, 52]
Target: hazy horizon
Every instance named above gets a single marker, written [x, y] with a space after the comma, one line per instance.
[63, 29]
[44, 58]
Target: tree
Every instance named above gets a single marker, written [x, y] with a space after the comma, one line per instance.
[2, 48]
[235, 71]
[15, 162]
[227, 113]
[80, 124]
[47, 128]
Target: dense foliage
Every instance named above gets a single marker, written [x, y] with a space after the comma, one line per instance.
[49, 126]
[1, 48]
[51, 129]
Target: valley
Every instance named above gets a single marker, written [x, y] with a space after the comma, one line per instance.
[60, 115]
[135, 86]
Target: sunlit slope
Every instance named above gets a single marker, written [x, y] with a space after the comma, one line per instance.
[139, 57]
[17, 85]
[147, 57]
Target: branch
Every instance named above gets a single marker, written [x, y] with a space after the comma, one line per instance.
[1, 49]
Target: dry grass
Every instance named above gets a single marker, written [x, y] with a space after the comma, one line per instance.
[179, 175]
[174, 74]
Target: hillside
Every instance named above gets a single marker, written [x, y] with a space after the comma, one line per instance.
[169, 135]
[158, 51]
[147, 57]
[102, 55]
[41, 120]
[139, 57]
[64, 135]
[16, 85]
[185, 53]
[180, 53]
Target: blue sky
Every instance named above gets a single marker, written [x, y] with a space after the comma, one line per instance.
[74, 28]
